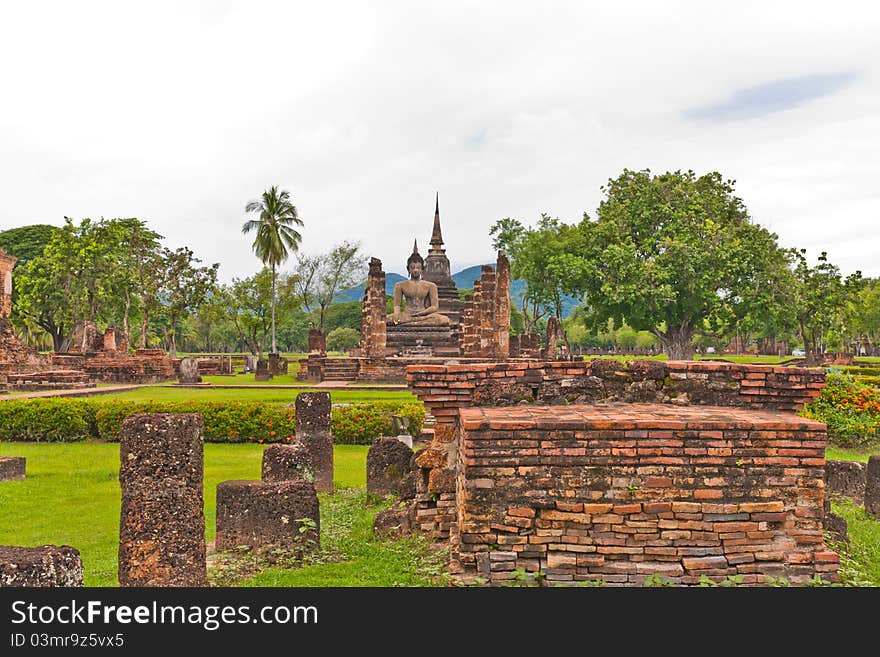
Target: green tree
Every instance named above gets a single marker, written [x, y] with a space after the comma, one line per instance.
[248, 303]
[275, 236]
[674, 254]
[544, 257]
[318, 279]
[27, 242]
[866, 317]
[343, 338]
[821, 297]
[186, 286]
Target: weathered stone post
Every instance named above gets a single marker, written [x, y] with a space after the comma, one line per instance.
[189, 371]
[162, 521]
[317, 342]
[554, 333]
[47, 565]
[267, 515]
[391, 469]
[313, 432]
[12, 467]
[373, 323]
[287, 463]
[872, 486]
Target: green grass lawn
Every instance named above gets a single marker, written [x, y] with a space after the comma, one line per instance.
[841, 454]
[860, 561]
[249, 380]
[72, 497]
[169, 393]
[755, 359]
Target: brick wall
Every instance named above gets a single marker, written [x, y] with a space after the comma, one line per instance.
[623, 491]
[446, 388]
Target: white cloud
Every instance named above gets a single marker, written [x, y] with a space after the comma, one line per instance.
[362, 112]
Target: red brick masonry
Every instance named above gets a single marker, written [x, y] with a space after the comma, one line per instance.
[622, 491]
[446, 388]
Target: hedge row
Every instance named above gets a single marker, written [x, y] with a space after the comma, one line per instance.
[69, 420]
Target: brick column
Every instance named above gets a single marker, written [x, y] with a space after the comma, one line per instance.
[487, 311]
[162, 521]
[502, 307]
[373, 327]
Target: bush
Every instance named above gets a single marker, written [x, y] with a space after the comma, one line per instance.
[68, 420]
[225, 422]
[861, 371]
[46, 420]
[868, 380]
[359, 424]
[850, 409]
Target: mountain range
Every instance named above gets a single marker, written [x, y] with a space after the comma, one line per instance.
[464, 280]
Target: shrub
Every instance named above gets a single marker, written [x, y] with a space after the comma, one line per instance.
[861, 371]
[67, 420]
[359, 424]
[47, 420]
[225, 422]
[850, 409]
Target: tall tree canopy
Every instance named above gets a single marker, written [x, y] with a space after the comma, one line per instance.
[276, 238]
[674, 254]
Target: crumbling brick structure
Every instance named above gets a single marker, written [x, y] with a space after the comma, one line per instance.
[373, 313]
[44, 566]
[313, 432]
[486, 314]
[846, 478]
[162, 521]
[620, 492]
[266, 516]
[689, 433]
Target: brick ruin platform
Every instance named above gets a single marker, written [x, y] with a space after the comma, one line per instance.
[673, 390]
[623, 491]
[12, 467]
[47, 565]
[267, 515]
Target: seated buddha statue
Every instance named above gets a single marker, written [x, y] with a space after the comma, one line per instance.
[422, 299]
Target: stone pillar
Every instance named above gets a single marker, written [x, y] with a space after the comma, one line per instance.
[487, 311]
[277, 364]
[373, 313]
[502, 307]
[872, 486]
[267, 515]
[162, 521]
[391, 469]
[262, 372]
[47, 565]
[313, 432]
[189, 371]
[12, 467]
[317, 342]
[287, 463]
[554, 334]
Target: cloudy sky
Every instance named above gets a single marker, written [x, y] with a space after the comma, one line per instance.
[362, 110]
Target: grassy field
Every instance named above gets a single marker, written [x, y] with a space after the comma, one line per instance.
[71, 497]
[170, 393]
[840, 454]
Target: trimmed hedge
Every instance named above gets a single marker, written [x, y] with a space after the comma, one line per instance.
[69, 420]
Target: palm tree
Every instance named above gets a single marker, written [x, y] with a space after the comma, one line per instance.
[275, 238]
